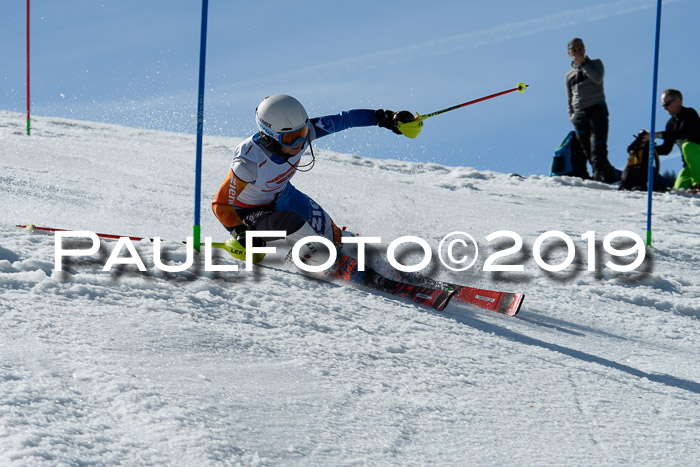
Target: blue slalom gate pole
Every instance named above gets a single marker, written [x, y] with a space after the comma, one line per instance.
[28, 102]
[196, 233]
[652, 149]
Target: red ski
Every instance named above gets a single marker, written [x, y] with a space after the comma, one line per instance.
[507, 303]
[346, 268]
[433, 297]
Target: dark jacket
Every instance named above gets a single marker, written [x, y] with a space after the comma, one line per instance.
[680, 128]
[584, 85]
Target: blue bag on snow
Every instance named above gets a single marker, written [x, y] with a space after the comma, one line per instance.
[562, 163]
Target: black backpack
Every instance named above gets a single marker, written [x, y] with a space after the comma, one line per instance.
[636, 172]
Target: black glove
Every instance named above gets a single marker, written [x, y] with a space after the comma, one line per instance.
[389, 119]
[239, 232]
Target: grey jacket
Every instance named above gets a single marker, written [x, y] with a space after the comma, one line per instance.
[584, 85]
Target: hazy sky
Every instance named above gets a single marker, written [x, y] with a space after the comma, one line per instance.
[136, 63]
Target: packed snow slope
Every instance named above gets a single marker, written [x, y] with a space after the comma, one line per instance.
[275, 368]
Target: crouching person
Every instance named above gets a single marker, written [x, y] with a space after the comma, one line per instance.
[682, 129]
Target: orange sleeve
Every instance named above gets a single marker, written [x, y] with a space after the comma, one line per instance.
[222, 204]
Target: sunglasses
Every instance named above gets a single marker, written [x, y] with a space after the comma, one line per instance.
[667, 103]
[292, 138]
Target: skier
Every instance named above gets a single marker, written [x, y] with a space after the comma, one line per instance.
[257, 193]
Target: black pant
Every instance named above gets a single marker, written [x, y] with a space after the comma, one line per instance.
[591, 126]
[266, 218]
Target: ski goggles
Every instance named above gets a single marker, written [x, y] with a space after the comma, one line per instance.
[292, 138]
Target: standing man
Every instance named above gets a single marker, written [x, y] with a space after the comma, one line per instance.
[683, 129]
[587, 109]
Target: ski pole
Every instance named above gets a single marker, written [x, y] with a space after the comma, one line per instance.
[232, 246]
[412, 129]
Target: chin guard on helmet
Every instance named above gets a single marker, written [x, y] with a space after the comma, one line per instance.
[271, 145]
[279, 157]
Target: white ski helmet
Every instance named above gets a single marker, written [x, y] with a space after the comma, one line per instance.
[284, 119]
